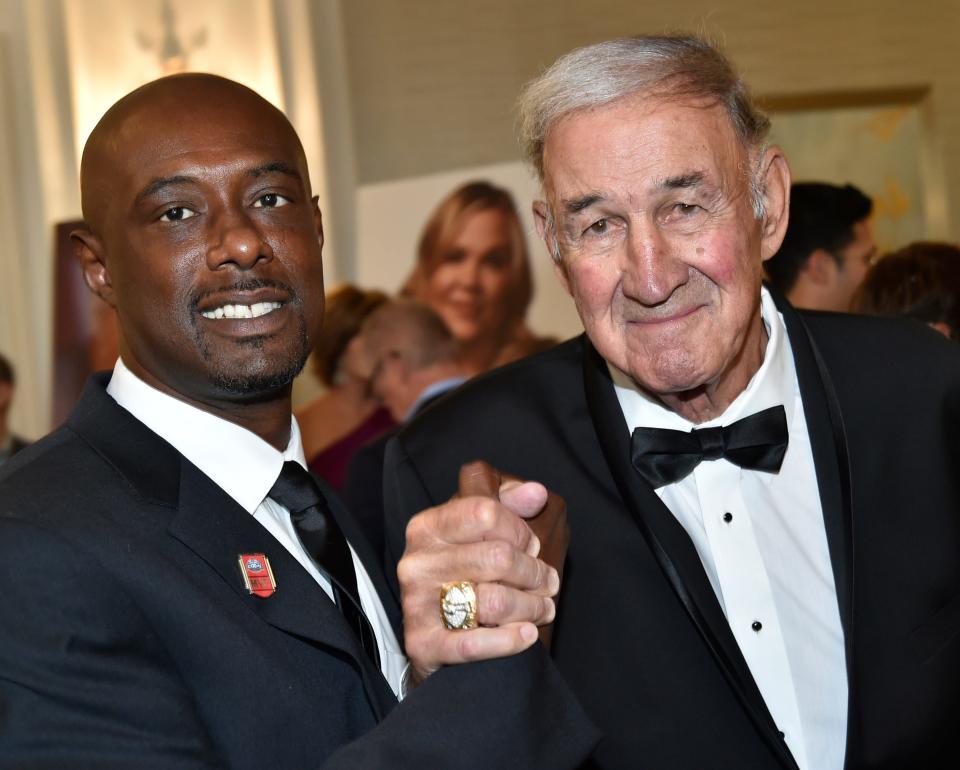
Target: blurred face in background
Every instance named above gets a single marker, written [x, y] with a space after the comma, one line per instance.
[470, 285]
[854, 260]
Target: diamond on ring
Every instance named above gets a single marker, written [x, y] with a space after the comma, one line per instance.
[458, 605]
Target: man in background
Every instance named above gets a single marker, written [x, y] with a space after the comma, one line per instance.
[10, 443]
[414, 360]
[827, 249]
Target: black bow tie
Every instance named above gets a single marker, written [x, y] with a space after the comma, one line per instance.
[757, 442]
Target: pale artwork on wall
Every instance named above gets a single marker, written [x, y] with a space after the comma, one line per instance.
[233, 38]
[876, 148]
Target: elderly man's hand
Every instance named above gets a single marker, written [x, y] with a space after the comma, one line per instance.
[478, 538]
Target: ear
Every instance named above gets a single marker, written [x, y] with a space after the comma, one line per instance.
[318, 218]
[6, 396]
[96, 274]
[541, 218]
[820, 268]
[775, 182]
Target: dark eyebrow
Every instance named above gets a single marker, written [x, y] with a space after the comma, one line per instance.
[156, 185]
[275, 167]
[576, 205]
[681, 182]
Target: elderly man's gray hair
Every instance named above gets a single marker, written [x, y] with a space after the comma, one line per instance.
[675, 67]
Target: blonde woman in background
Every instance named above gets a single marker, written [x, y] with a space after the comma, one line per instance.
[473, 269]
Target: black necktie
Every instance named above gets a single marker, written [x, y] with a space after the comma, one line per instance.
[757, 442]
[320, 534]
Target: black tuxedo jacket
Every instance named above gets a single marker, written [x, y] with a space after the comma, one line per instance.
[127, 638]
[639, 633]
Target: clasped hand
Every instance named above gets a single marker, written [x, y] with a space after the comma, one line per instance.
[483, 535]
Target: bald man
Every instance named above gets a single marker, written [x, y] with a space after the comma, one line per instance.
[178, 591]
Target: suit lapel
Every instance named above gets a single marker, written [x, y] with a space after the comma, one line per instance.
[673, 549]
[217, 530]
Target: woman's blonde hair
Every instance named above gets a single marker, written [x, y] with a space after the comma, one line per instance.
[447, 220]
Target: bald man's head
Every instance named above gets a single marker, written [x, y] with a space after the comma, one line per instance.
[159, 109]
[202, 232]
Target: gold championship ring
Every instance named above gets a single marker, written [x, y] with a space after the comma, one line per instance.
[458, 605]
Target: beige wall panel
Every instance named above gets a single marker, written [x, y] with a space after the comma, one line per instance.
[433, 81]
[233, 38]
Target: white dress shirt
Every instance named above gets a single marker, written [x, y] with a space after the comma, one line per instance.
[245, 467]
[763, 544]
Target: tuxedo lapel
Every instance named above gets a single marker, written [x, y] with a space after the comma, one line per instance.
[828, 444]
[673, 549]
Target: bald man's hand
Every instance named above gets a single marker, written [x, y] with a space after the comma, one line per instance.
[482, 536]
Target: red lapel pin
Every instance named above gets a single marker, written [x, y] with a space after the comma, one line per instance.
[257, 575]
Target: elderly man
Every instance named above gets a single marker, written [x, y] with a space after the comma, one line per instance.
[178, 590]
[757, 578]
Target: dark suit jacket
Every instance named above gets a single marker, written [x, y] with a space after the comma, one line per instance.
[363, 488]
[640, 635]
[16, 444]
[127, 639]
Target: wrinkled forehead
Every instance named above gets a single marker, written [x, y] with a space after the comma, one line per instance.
[643, 136]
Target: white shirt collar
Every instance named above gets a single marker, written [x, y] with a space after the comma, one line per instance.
[774, 383]
[238, 461]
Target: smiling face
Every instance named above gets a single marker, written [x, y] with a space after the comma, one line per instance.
[659, 245]
[204, 237]
[470, 286]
